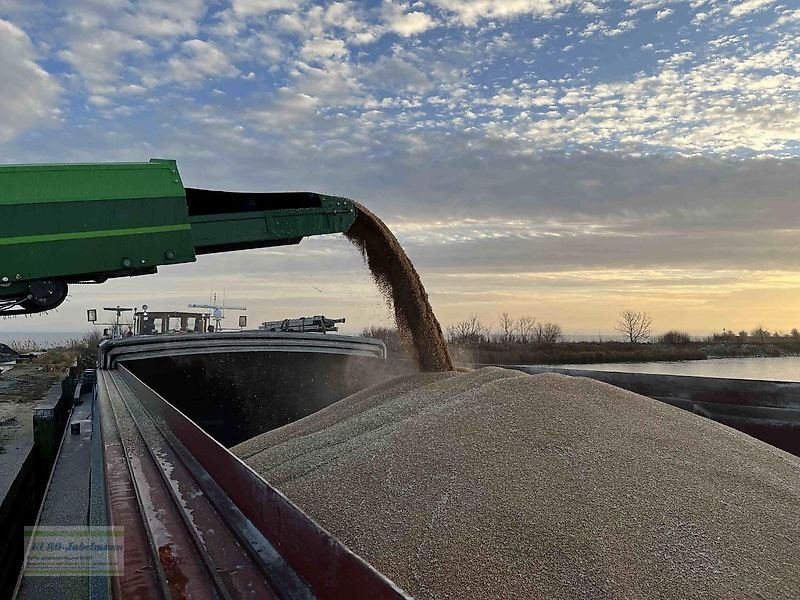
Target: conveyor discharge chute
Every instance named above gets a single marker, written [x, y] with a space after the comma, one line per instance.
[85, 223]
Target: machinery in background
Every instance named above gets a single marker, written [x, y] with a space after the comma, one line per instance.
[85, 223]
[218, 313]
[147, 322]
[117, 327]
[316, 324]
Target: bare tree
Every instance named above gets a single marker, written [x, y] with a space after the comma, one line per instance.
[760, 334]
[506, 325]
[637, 326]
[469, 331]
[524, 329]
[547, 334]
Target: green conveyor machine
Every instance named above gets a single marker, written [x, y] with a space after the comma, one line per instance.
[65, 224]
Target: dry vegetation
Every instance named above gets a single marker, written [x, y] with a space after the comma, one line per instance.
[62, 356]
[525, 340]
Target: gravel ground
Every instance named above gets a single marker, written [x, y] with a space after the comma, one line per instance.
[20, 389]
[497, 484]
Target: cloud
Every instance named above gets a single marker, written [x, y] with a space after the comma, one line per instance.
[788, 16]
[113, 45]
[30, 94]
[727, 104]
[398, 74]
[323, 48]
[200, 60]
[261, 7]
[622, 27]
[97, 58]
[513, 159]
[470, 12]
[399, 20]
[486, 232]
[590, 8]
[749, 6]
[162, 20]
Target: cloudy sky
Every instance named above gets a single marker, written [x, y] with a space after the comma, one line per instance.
[559, 158]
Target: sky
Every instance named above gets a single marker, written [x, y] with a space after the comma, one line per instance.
[565, 159]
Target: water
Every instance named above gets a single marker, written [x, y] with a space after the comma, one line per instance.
[786, 368]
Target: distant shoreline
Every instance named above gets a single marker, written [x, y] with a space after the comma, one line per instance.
[617, 352]
[562, 352]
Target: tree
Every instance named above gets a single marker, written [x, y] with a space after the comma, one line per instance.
[795, 334]
[506, 328]
[547, 334]
[525, 328]
[637, 326]
[469, 331]
[760, 334]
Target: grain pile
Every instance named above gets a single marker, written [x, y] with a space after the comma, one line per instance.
[399, 283]
[497, 484]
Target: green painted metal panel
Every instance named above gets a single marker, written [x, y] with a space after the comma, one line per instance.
[72, 258]
[86, 235]
[96, 215]
[335, 215]
[108, 220]
[74, 220]
[33, 184]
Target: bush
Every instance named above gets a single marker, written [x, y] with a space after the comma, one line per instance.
[760, 334]
[675, 338]
[547, 334]
[87, 345]
[25, 346]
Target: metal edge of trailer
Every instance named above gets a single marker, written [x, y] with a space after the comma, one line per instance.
[766, 410]
[158, 346]
[691, 388]
[331, 570]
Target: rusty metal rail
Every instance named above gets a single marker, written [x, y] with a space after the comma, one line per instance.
[200, 523]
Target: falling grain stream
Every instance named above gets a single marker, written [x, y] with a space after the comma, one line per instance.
[399, 283]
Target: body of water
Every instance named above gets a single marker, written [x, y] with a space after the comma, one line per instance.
[785, 368]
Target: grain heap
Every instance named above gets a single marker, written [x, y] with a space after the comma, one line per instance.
[399, 283]
[497, 484]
